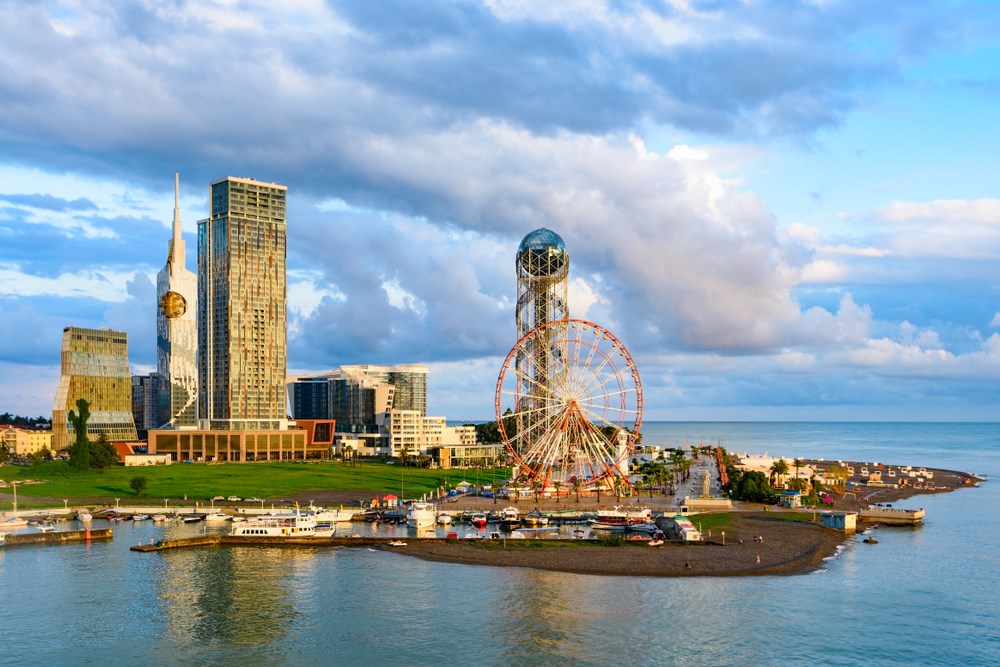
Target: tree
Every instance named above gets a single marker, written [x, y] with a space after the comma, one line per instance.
[102, 453]
[138, 485]
[798, 463]
[79, 458]
[778, 469]
[558, 485]
[577, 485]
[753, 486]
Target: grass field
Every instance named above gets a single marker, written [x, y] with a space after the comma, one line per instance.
[202, 481]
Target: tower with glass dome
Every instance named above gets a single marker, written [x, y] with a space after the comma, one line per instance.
[542, 266]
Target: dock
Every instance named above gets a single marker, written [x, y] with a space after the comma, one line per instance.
[59, 536]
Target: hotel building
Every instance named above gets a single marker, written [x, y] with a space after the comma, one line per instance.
[94, 366]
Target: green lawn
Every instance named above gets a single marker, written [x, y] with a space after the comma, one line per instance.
[202, 481]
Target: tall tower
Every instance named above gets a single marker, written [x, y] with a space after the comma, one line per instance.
[241, 307]
[176, 333]
[94, 367]
[542, 284]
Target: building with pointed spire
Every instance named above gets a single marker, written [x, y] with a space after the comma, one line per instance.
[177, 333]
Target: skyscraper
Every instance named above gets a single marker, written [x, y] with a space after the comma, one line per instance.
[95, 367]
[176, 334]
[241, 307]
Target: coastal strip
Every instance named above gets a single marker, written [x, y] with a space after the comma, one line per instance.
[754, 545]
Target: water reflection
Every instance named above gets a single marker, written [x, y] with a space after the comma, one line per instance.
[234, 595]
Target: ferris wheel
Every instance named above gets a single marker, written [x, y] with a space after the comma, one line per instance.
[569, 407]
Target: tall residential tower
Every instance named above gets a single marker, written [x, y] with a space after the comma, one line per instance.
[176, 334]
[241, 307]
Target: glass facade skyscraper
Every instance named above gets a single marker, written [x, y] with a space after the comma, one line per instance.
[95, 367]
[241, 307]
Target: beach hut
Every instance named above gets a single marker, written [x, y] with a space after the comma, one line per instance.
[390, 500]
[790, 499]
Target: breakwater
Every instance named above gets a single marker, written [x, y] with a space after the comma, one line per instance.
[60, 536]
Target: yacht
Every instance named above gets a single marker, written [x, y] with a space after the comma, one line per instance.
[280, 525]
[421, 514]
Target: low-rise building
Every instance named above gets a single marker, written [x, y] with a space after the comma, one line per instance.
[24, 441]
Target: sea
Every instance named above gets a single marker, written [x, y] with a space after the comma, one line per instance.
[921, 596]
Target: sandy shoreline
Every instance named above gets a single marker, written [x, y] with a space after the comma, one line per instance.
[788, 547]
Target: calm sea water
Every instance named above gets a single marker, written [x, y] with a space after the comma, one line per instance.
[923, 596]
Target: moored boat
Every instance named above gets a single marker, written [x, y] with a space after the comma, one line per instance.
[280, 525]
[216, 518]
[479, 520]
[509, 518]
[84, 517]
[621, 519]
[444, 519]
[421, 514]
[13, 522]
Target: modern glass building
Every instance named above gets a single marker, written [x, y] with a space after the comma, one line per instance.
[241, 307]
[176, 335]
[94, 366]
[356, 395]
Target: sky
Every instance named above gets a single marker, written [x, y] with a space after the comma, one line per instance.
[785, 210]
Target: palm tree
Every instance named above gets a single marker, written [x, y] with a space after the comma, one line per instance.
[798, 463]
[778, 469]
[577, 485]
[558, 484]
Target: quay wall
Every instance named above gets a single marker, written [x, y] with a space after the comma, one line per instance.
[60, 536]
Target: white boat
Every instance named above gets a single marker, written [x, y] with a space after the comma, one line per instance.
[333, 516]
[421, 514]
[280, 525]
[13, 522]
[46, 528]
[620, 519]
[84, 517]
[140, 517]
[444, 519]
[509, 518]
[396, 543]
[157, 518]
[479, 520]
[655, 543]
[216, 518]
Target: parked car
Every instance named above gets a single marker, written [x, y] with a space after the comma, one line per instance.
[254, 499]
[234, 499]
[218, 498]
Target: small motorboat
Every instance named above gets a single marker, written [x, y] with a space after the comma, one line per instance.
[84, 517]
[192, 518]
[140, 517]
[159, 518]
[46, 528]
[479, 520]
[444, 519]
[396, 543]
[655, 543]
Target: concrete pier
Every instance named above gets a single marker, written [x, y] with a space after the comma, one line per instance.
[59, 536]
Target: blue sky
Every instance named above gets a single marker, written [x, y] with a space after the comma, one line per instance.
[785, 210]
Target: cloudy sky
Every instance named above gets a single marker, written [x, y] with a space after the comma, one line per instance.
[786, 210]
